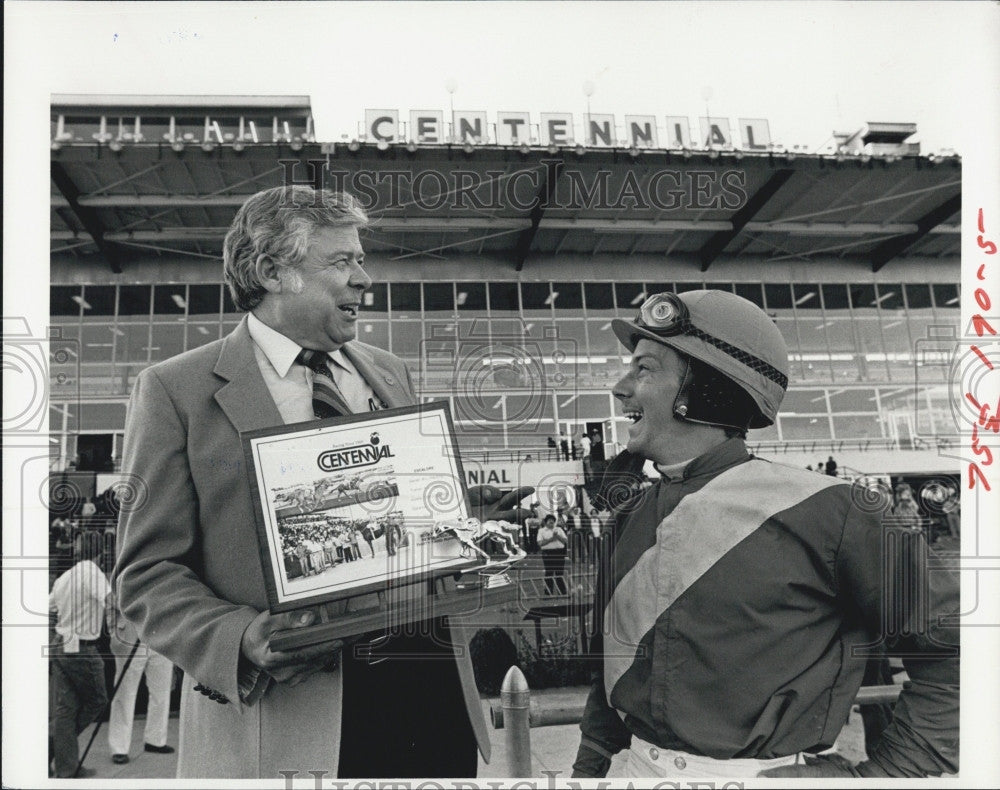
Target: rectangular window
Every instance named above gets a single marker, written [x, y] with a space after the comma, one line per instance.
[64, 301]
[471, 298]
[599, 296]
[536, 298]
[629, 297]
[439, 298]
[376, 300]
[835, 296]
[946, 297]
[203, 301]
[98, 301]
[405, 300]
[169, 300]
[806, 297]
[890, 297]
[751, 292]
[567, 296]
[917, 296]
[503, 298]
[779, 297]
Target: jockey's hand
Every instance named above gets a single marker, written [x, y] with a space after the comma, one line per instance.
[821, 766]
[489, 503]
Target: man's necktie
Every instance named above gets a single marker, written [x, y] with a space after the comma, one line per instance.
[326, 398]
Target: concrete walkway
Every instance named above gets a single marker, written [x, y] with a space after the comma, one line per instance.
[552, 748]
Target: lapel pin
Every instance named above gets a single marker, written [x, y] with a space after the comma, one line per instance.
[390, 380]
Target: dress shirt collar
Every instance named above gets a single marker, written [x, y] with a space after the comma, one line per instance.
[281, 351]
[728, 453]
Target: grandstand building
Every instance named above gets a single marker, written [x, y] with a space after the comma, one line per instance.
[498, 269]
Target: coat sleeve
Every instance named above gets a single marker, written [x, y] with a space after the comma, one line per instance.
[910, 602]
[156, 577]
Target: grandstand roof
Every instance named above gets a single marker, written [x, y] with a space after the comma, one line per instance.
[145, 198]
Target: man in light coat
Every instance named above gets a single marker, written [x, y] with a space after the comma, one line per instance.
[189, 573]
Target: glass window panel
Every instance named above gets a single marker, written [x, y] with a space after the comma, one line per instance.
[406, 337]
[109, 417]
[768, 434]
[890, 297]
[804, 402]
[798, 428]
[840, 334]
[599, 297]
[863, 297]
[687, 286]
[806, 297]
[503, 298]
[168, 341]
[133, 343]
[778, 296]
[629, 297]
[374, 333]
[471, 297]
[228, 308]
[728, 287]
[169, 300]
[439, 298]
[898, 347]
[567, 296]
[536, 297]
[134, 301]
[201, 333]
[571, 338]
[868, 335]
[203, 300]
[750, 291]
[946, 297]
[96, 343]
[856, 426]
[835, 296]
[788, 331]
[405, 300]
[603, 341]
[482, 408]
[376, 300]
[536, 405]
[62, 303]
[852, 400]
[98, 300]
[917, 296]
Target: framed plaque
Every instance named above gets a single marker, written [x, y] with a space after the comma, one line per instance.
[348, 506]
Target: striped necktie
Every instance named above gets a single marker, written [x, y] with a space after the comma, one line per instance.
[326, 398]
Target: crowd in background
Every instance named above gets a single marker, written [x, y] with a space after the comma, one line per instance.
[312, 543]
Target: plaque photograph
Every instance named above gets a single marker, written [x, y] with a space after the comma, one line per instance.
[353, 505]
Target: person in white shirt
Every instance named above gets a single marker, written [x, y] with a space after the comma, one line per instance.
[159, 674]
[552, 541]
[77, 693]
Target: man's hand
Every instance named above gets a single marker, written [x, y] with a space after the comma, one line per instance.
[491, 504]
[291, 666]
[822, 766]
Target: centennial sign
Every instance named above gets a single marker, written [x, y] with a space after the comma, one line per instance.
[556, 128]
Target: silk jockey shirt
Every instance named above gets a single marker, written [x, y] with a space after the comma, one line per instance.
[735, 606]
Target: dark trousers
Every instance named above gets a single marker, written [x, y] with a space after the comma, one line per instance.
[555, 566]
[77, 697]
[405, 717]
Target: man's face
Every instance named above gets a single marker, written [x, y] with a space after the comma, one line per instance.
[647, 393]
[320, 299]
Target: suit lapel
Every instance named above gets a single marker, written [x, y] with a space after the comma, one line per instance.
[386, 385]
[244, 398]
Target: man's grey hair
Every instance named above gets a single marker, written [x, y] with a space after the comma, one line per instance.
[277, 223]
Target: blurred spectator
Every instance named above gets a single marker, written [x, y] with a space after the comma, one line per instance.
[532, 524]
[596, 447]
[552, 542]
[159, 674]
[77, 692]
[905, 511]
[563, 446]
[89, 509]
[576, 531]
[831, 467]
[585, 447]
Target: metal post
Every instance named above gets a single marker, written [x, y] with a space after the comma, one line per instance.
[515, 697]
